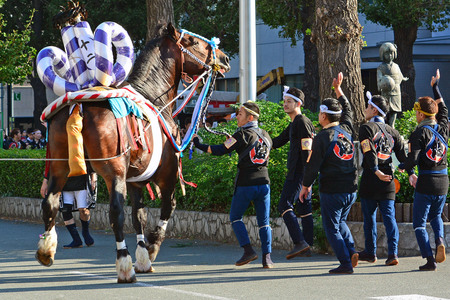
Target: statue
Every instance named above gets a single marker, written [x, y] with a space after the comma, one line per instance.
[389, 77]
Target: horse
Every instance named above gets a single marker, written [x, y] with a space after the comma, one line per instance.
[156, 75]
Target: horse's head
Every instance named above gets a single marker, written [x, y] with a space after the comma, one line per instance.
[198, 53]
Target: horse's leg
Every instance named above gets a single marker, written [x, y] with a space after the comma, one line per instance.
[166, 180]
[101, 140]
[124, 263]
[139, 217]
[58, 170]
[48, 241]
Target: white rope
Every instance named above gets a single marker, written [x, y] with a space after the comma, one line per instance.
[64, 159]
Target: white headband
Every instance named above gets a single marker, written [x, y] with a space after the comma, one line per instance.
[286, 94]
[250, 111]
[324, 109]
[369, 96]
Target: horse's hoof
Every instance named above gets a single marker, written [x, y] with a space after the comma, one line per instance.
[127, 280]
[150, 270]
[153, 251]
[44, 259]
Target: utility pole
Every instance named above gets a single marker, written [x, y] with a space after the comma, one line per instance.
[247, 50]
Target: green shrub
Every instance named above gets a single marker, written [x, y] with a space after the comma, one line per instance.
[214, 175]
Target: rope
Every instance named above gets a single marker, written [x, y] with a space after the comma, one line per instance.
[64, 159]
[208, 99]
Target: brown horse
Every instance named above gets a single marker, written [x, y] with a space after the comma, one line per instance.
[156, 75]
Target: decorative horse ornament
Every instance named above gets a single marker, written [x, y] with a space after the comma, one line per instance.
[155, 76]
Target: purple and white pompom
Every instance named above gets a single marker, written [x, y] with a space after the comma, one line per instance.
[54, 71]
[107, 73]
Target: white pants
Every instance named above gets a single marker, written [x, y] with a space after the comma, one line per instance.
[79, 196]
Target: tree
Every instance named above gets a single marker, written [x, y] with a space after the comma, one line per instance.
[16, 12]
[16, 55]
[158, 11]
[337, 35]
[211, 18]
[405, 17]
[296, 20]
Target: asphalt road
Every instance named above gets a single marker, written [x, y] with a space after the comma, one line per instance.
[191, 269]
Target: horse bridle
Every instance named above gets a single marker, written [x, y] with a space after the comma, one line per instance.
[214, 42]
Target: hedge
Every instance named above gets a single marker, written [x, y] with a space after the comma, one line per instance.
[213, 175]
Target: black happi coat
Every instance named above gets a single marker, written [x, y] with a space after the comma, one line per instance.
[371, 187]
[337, 175]
[299, 130]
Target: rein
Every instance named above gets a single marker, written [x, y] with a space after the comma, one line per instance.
[64, 159]
[214, 42]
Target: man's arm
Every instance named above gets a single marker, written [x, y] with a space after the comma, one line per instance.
[228, 146]
[282, 139]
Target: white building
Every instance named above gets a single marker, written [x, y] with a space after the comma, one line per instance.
[431, 51]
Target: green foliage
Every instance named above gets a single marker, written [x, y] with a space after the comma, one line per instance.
[211, 18]
[131, 14]
[285, 16]
[432, 14]
[407, 123]
[21, 178]
[15, 53]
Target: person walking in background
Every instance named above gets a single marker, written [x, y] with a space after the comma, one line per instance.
[428, 150]
[14, 141]
[377, 188]
[38, 142]
[333, 156]
[299, 133]
[252, 182]
[77, 194]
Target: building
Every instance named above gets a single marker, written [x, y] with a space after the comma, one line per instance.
[431, 51]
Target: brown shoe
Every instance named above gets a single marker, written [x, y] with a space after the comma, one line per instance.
[246, 258]
[392, 260]
[267, 261]
[355, 258]
[364, 256]
[298, 249]
[440, 253]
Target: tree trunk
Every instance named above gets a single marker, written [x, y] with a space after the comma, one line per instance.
[311, 77]
[158, 11]
[336, 33]
[40, 97]
[404, 38]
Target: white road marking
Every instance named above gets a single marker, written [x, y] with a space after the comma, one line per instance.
[159, 287]
[408, 297]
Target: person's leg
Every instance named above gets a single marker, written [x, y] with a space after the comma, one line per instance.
[69, 221]
[262, 207]
[331, 208]
[437, 205]
[421, 208]
[387, 210]
[291, 188]
[81, 198]
[369, 208]
[304, 210]
[348, 200]
[241, 199]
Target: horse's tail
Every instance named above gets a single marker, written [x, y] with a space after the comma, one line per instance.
[74, 125]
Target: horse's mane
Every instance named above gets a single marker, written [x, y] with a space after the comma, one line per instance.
[150, 73]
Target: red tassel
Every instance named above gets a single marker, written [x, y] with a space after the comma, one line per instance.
[150, 191]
